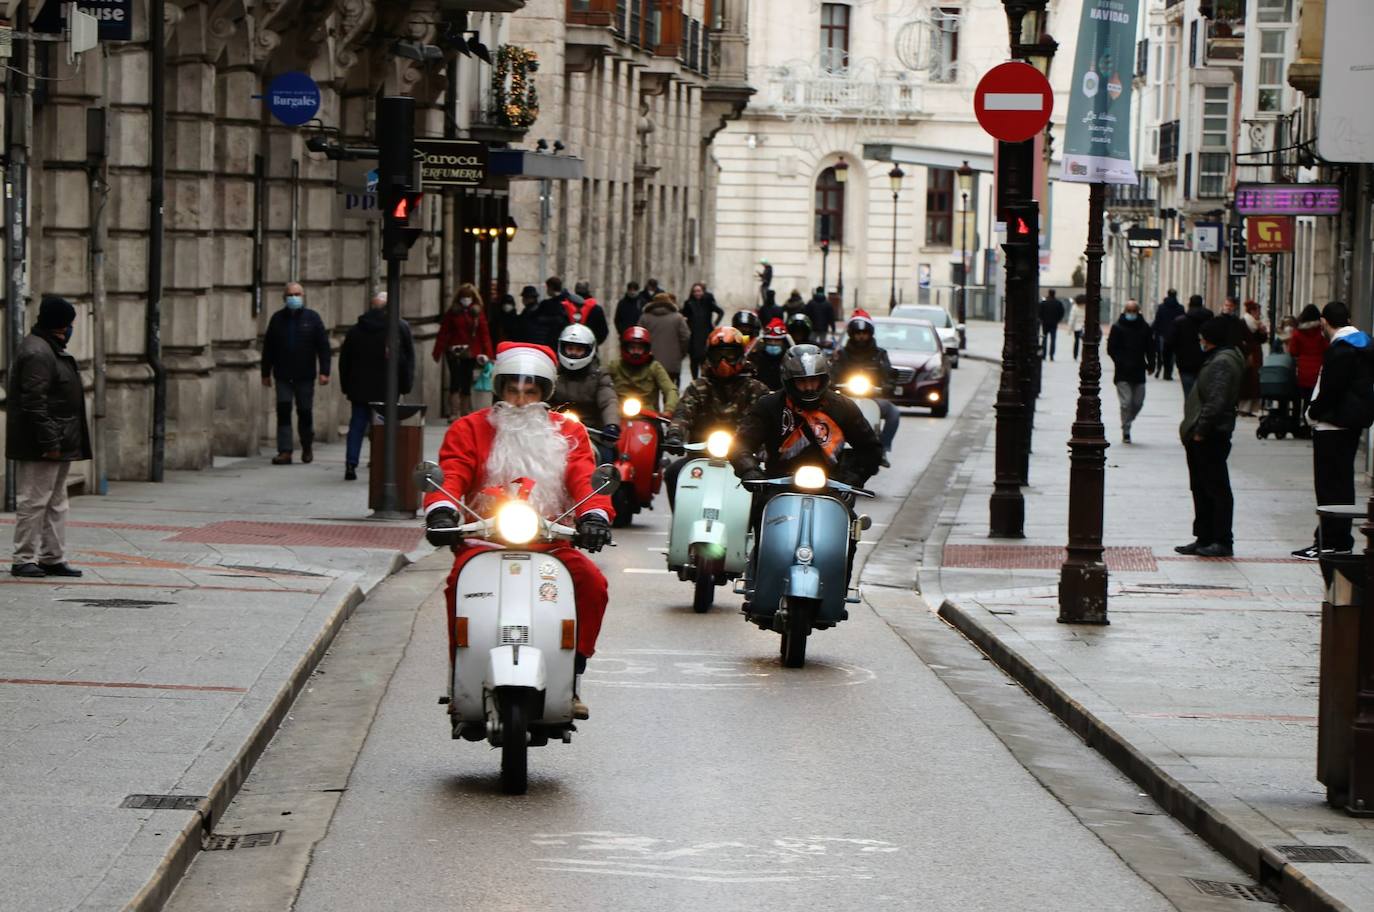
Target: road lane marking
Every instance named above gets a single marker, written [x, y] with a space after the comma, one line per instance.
[667, 669]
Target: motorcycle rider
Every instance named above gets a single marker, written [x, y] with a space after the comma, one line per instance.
[586, 389]
[765, 357]
[717, 400]
[636, 374]
[805, 423]
[519, 437]
[799, 328]
[747, 322]
[862, 355]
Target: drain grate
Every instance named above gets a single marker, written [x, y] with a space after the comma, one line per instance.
[115, 602]
[1227, 890]
[220, 842]
[162, 802]
[1321, 854]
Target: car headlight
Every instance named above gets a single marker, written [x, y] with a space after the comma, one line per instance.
[718, 444]
[858, 385]
[631, 407]
[936, 372]
[809, 478]
[517, 523]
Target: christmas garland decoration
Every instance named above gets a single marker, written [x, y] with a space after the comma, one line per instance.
[514, 99]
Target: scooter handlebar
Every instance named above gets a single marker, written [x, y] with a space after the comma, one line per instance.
[830, 484]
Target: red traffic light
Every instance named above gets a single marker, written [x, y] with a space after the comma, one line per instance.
[407, 205]
[1021, 226]
[825, 243]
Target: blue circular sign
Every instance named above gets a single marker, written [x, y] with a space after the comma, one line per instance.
[293, 98]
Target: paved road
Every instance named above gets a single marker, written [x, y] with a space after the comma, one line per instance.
[711, 778]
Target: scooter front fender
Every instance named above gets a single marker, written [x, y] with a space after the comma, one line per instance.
[804, 582]
[517, 666]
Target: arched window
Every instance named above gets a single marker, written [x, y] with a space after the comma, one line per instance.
[829, 208]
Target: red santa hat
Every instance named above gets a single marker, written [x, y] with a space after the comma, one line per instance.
[527, 360]
[775, 328]
[861, 322]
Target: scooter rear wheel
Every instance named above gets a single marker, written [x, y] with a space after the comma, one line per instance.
[704, 595]
[515, 748]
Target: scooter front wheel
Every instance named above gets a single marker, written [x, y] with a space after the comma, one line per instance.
[515, 747]
[705, 593]
[623, 502]
[794, 634]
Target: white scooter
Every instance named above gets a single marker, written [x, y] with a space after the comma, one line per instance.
[513, 629]
[708, 540]
[858, 389]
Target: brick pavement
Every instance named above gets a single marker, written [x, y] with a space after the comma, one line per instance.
[163, 670]
[1204, 686]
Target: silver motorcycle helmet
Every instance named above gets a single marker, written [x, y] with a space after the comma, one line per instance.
[805, 374]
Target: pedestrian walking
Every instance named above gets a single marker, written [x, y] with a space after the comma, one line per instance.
[503, 317]
[45, 432]
[1168, 311]
[1078, 318]
[1209, 419]
[1187, 347]
[1051, 315]
[364, 363]
[545, 320]
[585, 309]
[628, 310]
[669, 335]
[1308, 345]
[1342, 407]
[1130, 345]
[463, 342]
[770, 310]
[793, 305]
[822, 314]
[295, 351]
[703, 315]
[765, 280]
[1254, 335]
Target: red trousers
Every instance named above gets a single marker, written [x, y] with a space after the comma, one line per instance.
[590, 592]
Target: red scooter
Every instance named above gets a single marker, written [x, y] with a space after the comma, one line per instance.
[638, 459]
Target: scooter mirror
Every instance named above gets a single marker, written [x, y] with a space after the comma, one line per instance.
[605, 480]
[865, 521]
[428, 475]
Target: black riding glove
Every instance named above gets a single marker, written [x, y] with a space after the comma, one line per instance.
[437, 524]
[673, 437]
[753, 473]
[593, 532]
[610, 433]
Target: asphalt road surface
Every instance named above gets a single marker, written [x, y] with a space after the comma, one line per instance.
[709, 777]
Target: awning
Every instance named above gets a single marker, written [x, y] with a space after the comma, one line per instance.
[931, 157]
[520, 164]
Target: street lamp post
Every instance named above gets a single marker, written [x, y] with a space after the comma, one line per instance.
[825, 260]
[841, 177]
[895, 179]
[965, 174]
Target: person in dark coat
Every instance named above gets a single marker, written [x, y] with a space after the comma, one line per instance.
[794, 305]
[45, 432]
[363, 369]
[1209, 420]
[628, 311]
[1051, 315]
[1166, 313]
[1187, 348]
[1342, 408]
[543, 321]
[295, 342]
[822, 314]
[770, 310]
[1130, 345]
[703, 315]
[585, 309]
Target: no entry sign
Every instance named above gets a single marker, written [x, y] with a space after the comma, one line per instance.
[1013, 101]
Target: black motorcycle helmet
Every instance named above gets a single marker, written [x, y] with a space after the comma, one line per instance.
[799, 328]
[805, 374]
[747, 322]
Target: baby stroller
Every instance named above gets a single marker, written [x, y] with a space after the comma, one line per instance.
[1278, 387]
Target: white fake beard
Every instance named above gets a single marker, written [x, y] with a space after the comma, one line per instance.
[528, 445]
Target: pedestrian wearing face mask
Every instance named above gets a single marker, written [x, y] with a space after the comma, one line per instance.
[295, 342]
[45, 433]
[1130, 345]
[464, 343]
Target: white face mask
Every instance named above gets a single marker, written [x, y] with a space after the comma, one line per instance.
[465, 301]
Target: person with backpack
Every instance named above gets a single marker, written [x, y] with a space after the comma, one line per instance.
[582, 308]
[1342, 407]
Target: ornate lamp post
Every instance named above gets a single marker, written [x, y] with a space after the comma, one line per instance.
[894, 178]
[825, 257]
[965, 175]
[841, 177]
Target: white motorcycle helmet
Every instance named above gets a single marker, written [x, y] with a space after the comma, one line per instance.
[522, 360]
[576, 346]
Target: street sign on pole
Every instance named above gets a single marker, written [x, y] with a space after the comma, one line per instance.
[1013, 102]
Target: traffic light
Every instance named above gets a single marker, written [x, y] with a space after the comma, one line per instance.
[402, 224]
[825, 245]
[1023, 240]
[398, 176]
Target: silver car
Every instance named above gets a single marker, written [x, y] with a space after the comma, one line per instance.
[944, 325]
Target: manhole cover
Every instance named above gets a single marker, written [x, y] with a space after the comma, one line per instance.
[1321, 854]
[115, 602]
[1227, 890]
[219, 842]
[162, 802]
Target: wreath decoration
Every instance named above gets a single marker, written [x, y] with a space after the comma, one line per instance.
[515, 101]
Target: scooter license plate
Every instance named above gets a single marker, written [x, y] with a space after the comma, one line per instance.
[710, 513]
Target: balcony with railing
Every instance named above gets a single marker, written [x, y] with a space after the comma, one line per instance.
[1168, 142]
[1126, 200]
[863, 91]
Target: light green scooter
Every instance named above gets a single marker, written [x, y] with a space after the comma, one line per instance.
[708, 540]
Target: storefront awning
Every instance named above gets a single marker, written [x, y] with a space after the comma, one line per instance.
[520, 164]
[931, 157]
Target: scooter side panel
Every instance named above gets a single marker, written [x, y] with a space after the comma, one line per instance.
[478, 598]
[639, 442]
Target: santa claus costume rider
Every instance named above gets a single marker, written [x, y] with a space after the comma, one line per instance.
[518, 437]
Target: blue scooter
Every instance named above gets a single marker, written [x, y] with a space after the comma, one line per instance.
[800, 560]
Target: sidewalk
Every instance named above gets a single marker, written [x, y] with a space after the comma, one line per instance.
[1204, 686]
[134, 700]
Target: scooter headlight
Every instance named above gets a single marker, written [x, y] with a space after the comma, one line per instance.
[809, 478]
[858, 385]
[517, 523]
[718, 444]
[631, 407]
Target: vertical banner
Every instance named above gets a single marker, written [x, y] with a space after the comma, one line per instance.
[1097, 144]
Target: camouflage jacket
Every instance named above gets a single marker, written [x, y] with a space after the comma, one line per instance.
[710, 404]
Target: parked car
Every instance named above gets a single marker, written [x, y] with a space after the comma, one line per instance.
[944, 325]
[918, 358]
